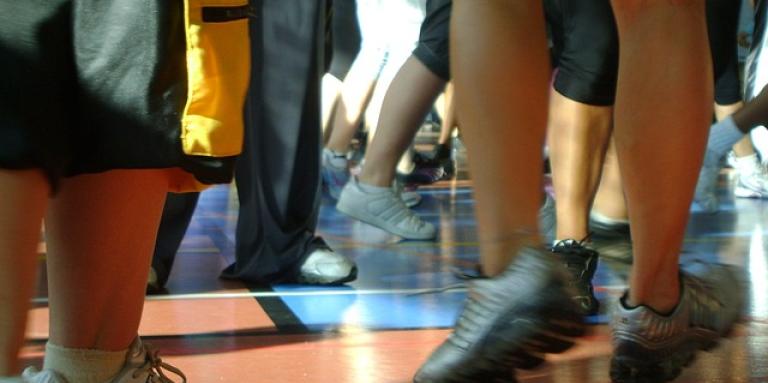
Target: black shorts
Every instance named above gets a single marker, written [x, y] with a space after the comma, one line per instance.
[432, 49]
[345, 37]
[723, 27]
[92, 85]
[585, 49]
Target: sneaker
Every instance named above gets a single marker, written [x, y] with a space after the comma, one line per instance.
[612, 240]
[548, 219]
[650, 347]
[334, 171]
[32, 375]
[409, 195]
[508, 322]
[142, 365]
[706, 187]
[385, 210]
[327, 267]
[581, 262]
[751, 178]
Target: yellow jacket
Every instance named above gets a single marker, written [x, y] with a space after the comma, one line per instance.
[218, 70]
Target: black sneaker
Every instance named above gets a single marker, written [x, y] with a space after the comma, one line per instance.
[508, 322]
[612, 240]
[581, 262]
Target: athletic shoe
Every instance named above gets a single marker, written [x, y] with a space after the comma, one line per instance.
[384, 209]
[334, 171]
[650, 347]
[751, 178]
[548, 219]
[142, 365]
[508, 322]
[409, 196]
[706, 187]
[327, 267]
[581, 262]
[611, 239]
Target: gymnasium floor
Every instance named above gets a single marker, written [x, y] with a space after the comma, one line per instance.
[380, 328]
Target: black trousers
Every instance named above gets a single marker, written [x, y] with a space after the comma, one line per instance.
[278, 173]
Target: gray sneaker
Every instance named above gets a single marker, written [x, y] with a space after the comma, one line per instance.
[650, 347]
[385, 210]
[508, 322]
[142, 365]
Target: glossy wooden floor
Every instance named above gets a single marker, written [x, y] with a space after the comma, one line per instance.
[380, 328]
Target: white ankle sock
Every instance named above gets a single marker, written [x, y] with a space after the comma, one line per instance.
[82, 365]
[722, 136]
[604, 219]
[747, 164]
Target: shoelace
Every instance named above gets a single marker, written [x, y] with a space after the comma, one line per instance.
[155, 367]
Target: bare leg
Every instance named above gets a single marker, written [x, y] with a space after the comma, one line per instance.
[609, 200]
[449, 118]
[661, 143]
[355, 94]
[578, 137]
[501, 65]
[407, 101]
[331, 90]
[25, 194]
[101, 231]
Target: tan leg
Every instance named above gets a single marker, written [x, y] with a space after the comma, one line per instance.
[501, 68]
[661, 143]
[25, 195]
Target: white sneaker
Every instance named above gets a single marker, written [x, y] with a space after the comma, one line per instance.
[335, 172]
[410, 197]
[706, 187]
[385, 210]
[751, 178]
[327, 267]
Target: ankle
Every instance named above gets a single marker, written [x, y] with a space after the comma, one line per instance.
[662, 301]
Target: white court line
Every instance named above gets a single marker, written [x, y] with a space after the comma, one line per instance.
[310, 293]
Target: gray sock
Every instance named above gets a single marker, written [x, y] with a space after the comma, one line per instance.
[722, 136]
[83, 365]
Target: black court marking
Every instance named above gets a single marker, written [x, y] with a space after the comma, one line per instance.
[286, 321]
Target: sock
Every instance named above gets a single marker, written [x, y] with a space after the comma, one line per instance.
[368, 188]
[606, 220]
[747, 164]
[335, 159]
[722, 136]
[83, 365]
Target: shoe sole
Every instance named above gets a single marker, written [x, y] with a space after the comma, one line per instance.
[746, 193]
[501, 351]
[325, 282]
[643, 369]
[365, 219]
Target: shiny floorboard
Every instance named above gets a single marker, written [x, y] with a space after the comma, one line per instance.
[379, 328]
